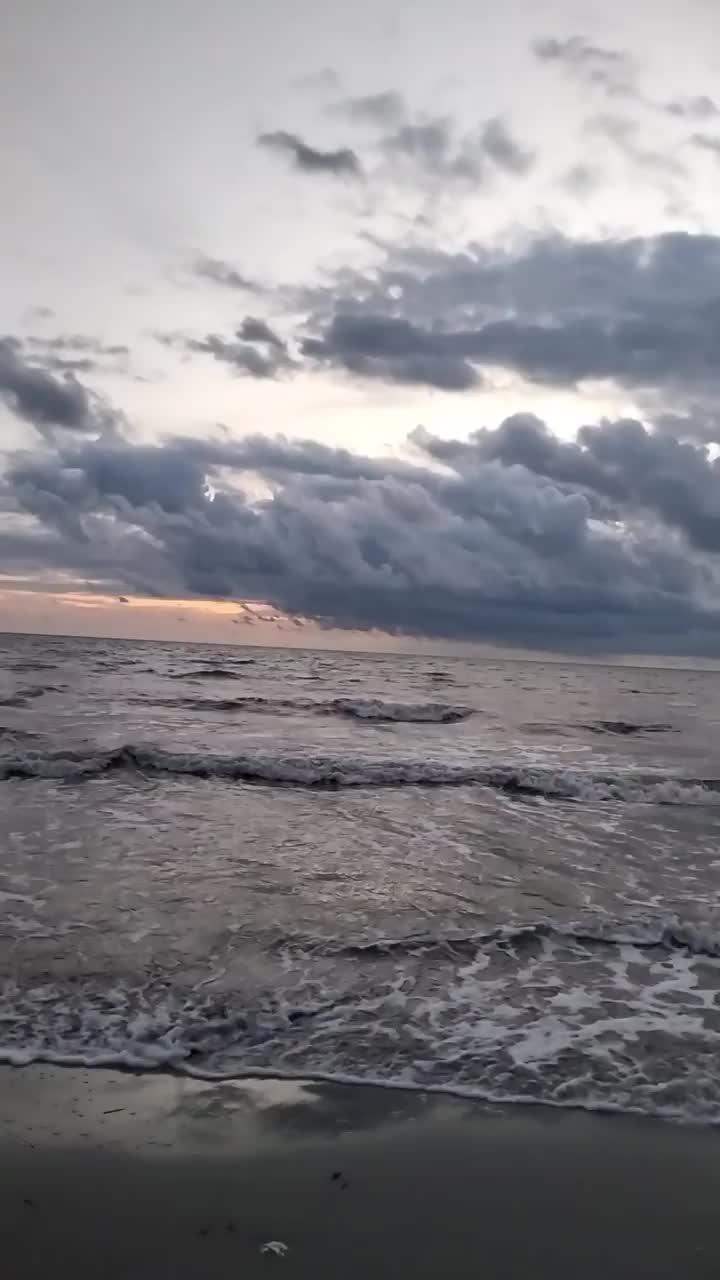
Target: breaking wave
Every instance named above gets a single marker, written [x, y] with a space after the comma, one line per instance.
[587, 1018]
[646, 935]
[372, 710]
[320, 770]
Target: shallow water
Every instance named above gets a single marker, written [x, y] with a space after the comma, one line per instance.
[495, 878]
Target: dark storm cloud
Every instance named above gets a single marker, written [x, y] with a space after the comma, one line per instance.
[391, 350]
[642, 312]
[223, 273]
[341, 163]
[633, 467]
[40, 396]
[497, 538]
[610, 70]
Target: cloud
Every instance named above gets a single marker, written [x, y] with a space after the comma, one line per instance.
[707, 142]
[580, 179]
[242, 357]
[342, 163]
[78, 342]
[513, 536]
[429, 146]
[623, 461]
[254, 330]
[78, 353]
[623, 133]
[223, 273]
[391, 350]
[256, 351]
[41, 397]
[642, 312]
[699, 108]
[609, 70]
[499, 146]
[433, 149]
[384, 108]
[322, 81]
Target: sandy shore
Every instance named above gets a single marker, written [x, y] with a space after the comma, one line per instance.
[115, 1175]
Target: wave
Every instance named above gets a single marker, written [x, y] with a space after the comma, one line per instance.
[626, 728]
[10, 734]
[31, 665]
[213, 673]
[645, 935]
[370, 710]
[22, 696]
[321, 771]
[535, 1013]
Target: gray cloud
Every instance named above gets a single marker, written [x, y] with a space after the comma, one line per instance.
[631, 466]
[433, 149]
[223, 273]
[580, 179]
[78, 342]
[254, 330]
[78, 353]
[610, 70]
[322, 81]
[392, 350]
[429, 145]
[707, 142]
[505, 151]
[242, 357]
[385, 108]
[624, 135]
[256, 351]
[41, 397]
[642, 312]
[500, 538]
[699, 108]
[342, 163]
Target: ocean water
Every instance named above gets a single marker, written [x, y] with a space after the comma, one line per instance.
[498, 879]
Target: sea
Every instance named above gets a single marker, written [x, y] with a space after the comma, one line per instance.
[493, 878]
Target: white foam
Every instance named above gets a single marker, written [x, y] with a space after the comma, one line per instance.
[565, 1021]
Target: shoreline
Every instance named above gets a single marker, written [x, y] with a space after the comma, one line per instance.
[123, 1173]
[469, 1095]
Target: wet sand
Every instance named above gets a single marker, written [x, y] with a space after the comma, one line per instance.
[119, 1175]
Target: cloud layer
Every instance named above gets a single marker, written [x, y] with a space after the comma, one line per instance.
[513, 536]
[641, 313]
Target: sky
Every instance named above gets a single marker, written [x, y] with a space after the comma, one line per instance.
[394, 326]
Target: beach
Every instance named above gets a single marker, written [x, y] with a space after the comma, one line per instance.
[128, 1175]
